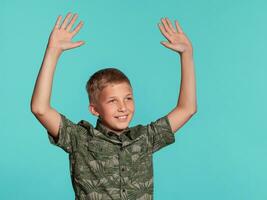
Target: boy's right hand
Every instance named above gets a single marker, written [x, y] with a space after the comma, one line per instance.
[61, 35]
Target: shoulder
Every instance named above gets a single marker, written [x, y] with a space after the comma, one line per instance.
[138, 130]
[85, 124]
[161, 121]
[159, 125]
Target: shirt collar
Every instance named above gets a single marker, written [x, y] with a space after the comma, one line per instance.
[102, 128]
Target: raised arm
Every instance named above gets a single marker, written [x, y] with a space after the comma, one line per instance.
[59, 41]
[187, 103]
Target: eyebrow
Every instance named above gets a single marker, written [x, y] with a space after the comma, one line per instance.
[115, 96]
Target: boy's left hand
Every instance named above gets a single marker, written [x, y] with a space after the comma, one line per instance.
[177, 39]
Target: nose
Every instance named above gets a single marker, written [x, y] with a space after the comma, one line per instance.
[121, 106]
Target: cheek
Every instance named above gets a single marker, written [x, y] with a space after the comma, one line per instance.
[109, 108]
[131, 106]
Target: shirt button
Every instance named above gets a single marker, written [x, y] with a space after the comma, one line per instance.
[123, 190]
[122, 169]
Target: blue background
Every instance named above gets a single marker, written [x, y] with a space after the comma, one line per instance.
[219, 154]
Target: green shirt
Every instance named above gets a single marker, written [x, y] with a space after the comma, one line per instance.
[107, 166]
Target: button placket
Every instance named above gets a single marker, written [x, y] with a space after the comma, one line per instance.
[121, 155]
[122, 169]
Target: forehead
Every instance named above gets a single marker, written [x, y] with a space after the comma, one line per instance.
[116, 89]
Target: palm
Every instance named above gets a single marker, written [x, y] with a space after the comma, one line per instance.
[177, 40]
[61, 36]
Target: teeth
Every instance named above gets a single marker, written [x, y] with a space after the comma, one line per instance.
[123, 117]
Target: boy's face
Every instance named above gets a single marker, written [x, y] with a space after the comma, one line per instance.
[115, 100]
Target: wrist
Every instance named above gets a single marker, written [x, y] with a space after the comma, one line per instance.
[187, 52]
[54, 50]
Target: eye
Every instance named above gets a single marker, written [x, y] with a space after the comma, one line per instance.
[112, 100]
[129, 98]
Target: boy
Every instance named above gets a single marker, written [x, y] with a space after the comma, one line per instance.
[111, 160]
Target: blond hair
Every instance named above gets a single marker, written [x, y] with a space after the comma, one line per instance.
[102, 78]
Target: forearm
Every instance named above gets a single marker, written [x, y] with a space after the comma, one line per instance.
[43, 86]
[187, 96]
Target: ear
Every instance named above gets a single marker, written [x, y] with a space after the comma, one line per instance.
[93, 110]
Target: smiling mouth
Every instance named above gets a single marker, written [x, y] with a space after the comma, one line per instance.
[123, 117]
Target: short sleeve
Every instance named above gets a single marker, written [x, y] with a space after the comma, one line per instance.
[67, 135]
[160, 133]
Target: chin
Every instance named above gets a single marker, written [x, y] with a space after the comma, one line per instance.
[121, 126]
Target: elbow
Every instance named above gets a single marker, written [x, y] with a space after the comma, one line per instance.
[192, 111]
[34, 108]
[195, 111]
[37, 110]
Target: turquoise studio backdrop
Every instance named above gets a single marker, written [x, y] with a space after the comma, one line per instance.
[220, 153]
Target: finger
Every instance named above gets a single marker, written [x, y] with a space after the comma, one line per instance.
[77, 28]
[166, 26]
[69, 26]
[178, 27]
[167, 44]
[170, 25]
[77, 44]
[66, 20]
[164, 32]
[58, 21]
